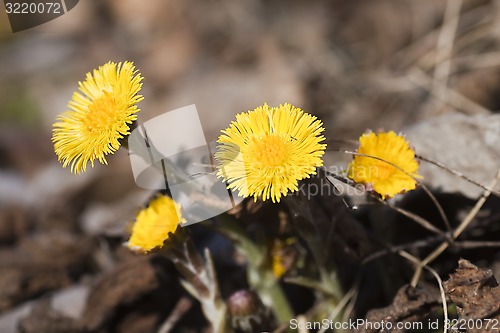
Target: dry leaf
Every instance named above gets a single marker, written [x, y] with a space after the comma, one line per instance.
[409, 305]
[477, 295]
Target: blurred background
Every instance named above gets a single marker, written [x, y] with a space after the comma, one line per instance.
[430, 68]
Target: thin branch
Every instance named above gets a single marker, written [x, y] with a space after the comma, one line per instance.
[445, 46]
[438, 206]
[420, 220]
[324, 173]
[465, 223]
[452, 97]
[182, 306]
[407, 246]
[456, 173]
[440, 283]
[476, 244]
[343, 303]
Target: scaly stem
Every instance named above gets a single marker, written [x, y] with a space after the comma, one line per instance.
[200, 279]
[259, 271]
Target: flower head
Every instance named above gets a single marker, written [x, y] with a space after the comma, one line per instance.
[393, 169]
[266, 151]
[154, 223]
[99, 116]
[283, 256]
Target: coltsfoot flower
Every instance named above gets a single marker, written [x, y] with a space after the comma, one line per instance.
[266, 151]
[154, 223]
[99, 116]
[380, 173]
[283, 256]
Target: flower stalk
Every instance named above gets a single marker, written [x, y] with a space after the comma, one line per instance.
[200, 279]
[328, 284]
[259, 271]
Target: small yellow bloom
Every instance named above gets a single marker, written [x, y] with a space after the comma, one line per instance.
[266, 151]
[278, 268]
[384, 178]
[99, 116]
[154, 223]
[283, 256]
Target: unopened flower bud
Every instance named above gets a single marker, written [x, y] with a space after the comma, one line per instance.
[248, 313]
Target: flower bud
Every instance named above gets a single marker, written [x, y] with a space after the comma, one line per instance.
[248, 313]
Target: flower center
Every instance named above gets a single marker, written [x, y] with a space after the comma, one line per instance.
[270, 150]
[101, 114]
[383, 170]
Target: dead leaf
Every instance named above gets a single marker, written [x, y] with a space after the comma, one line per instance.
[126, 284]
[476, 293]
[409, 305]
[44, 319]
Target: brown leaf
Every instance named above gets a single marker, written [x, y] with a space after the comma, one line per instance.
[14, 223]
[21, 283]
[125, 284]
[43, 319]
[475, 292]
[40, 263]
[409, 305]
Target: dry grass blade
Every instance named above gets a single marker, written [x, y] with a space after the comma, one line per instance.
[445, 47]
[180, 309]
[465, 223]
[414, 217]
[438, 206]
[397, 248]
[456, 173]
[476, 244]
[453, 98]
[342, 304]
[408, 256]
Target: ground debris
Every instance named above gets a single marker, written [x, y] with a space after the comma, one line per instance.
[136, 281]
[44, 319]
[20, 283]
[409, 305]
[477, 296]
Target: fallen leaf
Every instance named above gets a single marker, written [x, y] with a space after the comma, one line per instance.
[477, 295]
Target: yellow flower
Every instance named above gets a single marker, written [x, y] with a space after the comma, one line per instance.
[154, 223]
[278, 268]
[99, 116]
[283, 256]
[384, 178]
[266, 151]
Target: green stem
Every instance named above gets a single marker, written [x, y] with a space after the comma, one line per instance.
[259, 272]
[200, 279]
[302, 218]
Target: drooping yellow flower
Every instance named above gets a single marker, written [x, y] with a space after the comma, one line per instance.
[283, 256]
[266, 151]
[154, 223]
[380, 173]
[99, 116]
[277, 266]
